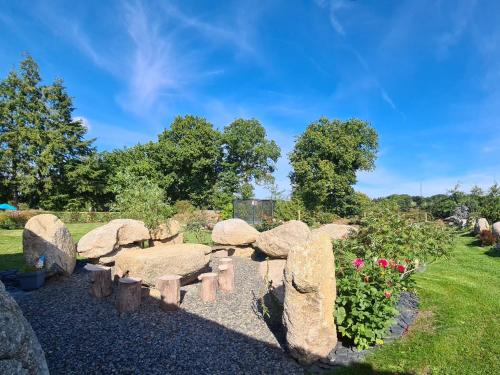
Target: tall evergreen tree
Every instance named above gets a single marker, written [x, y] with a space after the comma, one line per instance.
[38, 139]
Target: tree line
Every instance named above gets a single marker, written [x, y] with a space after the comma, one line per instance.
[480, 202]
[46, 161]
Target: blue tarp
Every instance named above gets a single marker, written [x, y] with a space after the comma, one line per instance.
[5, 206]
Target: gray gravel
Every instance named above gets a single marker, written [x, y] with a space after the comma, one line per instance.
[83, 335]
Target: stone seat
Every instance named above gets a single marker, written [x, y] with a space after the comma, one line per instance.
[186, 260]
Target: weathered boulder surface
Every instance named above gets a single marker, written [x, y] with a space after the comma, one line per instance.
[495, 229]
[20, 351]
[110, 258]
[243, 251]
[130, 231]
[278, 241]
[271, 271]
[166, 230]
[107, 238]
[187, 260]
[310, 292]
[48, 236]
[177, 239]
[210, 217]
[481, 224]
[234, 232]
[337, 231]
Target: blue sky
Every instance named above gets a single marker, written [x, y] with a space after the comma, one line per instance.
[424, 73]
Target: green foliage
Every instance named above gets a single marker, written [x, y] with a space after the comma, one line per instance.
[142, 199]
[403, 244]
[325, 160]
[286, 210]
[40, 142]
[6, 221]
[227, 211]
[387, 232]
[248, 154]
[184, 208]
[188, 154]
[366, 301]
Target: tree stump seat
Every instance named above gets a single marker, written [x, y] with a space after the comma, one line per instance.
[170, 290]
[101, 284]
[129, 294]
[208, 288]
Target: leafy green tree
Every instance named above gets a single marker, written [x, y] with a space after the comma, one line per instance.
[325, 160]
[249, 155]
[189, 157]
[141, 199]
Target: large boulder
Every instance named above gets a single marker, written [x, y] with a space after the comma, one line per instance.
[20, 351]
[48, 236]
[271, 271]
[187, 260]
[234, 232]
[107, 238]
[310, 292]
[336, 231]
[495, 229]
[278, 241]
[481, 224]
[166, 230]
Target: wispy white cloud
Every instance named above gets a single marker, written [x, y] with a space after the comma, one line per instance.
[460, 18]
[334, 7]
[237, 36]
[153, 64]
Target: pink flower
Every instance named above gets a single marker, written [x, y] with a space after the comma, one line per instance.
[401, 268]
[383, 263]
[358, 263]
[387, 295]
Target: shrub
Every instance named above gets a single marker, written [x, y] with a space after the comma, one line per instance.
[367, 295]
[266, 224]
[184, 207]
[389, 247]
[389, 233]
[325, 217]
[487, 238]
[227, 211]
[6, 221]
[142, 199]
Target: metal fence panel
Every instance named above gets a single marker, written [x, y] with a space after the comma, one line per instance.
[253, 211]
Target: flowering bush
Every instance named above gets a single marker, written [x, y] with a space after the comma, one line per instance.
[368, 291]
[375, 266]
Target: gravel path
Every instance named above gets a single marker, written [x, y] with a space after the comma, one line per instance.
[82, 335]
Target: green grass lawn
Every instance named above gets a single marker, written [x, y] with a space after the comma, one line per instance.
[458, 329]
[11, 248]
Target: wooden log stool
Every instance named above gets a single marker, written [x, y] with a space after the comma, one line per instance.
[208, 288]
[170, 289]
[129, 294]
[226, 277]
[101, 284]
[229, 262]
